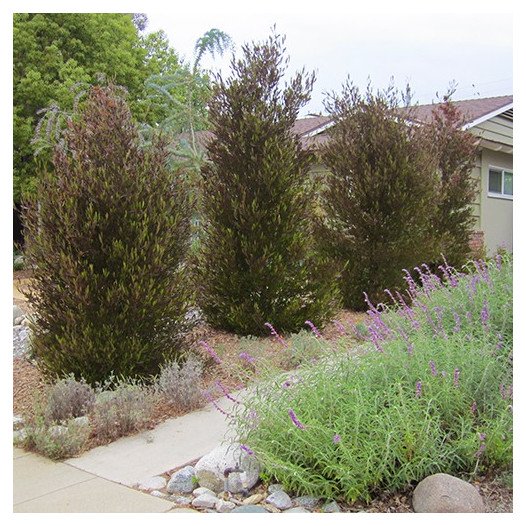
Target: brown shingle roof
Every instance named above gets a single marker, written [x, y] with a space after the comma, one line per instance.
[472, 109]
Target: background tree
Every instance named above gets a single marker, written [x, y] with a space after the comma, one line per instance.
[257, 261]
[379, 199]
[106, 242]
[54, 52]
[456, 150]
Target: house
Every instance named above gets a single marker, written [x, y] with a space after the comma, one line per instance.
[491, 121]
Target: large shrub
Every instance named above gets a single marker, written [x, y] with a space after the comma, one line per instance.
[380, 194]
[107, 237]
[456, 151]
[431, 392]
[257, 261]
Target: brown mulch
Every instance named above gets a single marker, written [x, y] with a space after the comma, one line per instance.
[28, 382]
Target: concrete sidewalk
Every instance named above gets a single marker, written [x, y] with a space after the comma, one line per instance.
[174, 443]
[41, 485]
[97, 480]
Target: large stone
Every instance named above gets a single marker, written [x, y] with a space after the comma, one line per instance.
[297, 510]
[179, 500]
[250, 508]
[442, 493]
[279, 499]
[19, 320]
[153, 483]
[83, 421]
[17, 313]
[182, 481]
[228, 468]
[206, 500]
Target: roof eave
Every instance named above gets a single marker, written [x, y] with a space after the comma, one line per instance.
[487, 116]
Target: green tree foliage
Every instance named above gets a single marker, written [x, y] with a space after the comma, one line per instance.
[257, 261]
[106, 240]
[380, 196]
[55, 52]
[456, 151]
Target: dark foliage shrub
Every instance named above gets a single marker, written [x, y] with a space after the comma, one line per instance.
[180, 384]
[456, 152]
[380, 195]
[107, 237]
[258, 261]
[69, 398]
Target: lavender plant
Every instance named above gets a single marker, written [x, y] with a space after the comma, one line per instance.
[432, 391]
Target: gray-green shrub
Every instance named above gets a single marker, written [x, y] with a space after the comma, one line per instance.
[69, 398]
[425, 397]
[181, 383]
[122, 410]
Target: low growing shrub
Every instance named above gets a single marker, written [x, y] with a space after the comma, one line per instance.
[55, 441]
[180, 383]
[423, 397]
[121, 411]
[69, 398]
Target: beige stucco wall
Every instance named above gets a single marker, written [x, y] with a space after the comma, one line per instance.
[496, 214]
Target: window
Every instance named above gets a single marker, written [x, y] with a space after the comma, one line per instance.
[500, 183]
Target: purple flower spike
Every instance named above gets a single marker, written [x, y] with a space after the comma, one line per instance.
[484, 315]
[474, 407]
[246, 449]
[336, 439]
[410, 349]
[275, 334]
[226, 392]
[210, 351]
[418, 389]
[247, 357]
[340, 327]
[498, 261]
[456, 377]
[295, 420]
[313, 328]
[433, 368]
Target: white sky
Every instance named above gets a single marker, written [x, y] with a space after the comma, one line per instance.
[428, 50]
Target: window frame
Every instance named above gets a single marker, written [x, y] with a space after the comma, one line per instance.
[500, 195]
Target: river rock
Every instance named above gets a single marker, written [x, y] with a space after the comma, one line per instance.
[279, 499]
[442, 493]
[224, 506]
[250, 508]
[331, 507]
[182, 481]
[308, 501]
[206, 500]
